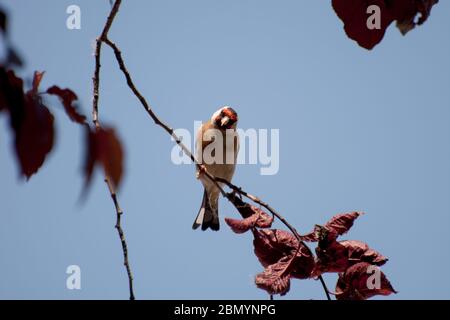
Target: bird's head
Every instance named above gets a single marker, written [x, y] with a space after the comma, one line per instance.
[225, 118]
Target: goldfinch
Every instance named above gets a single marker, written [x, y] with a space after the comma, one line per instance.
[217, 147]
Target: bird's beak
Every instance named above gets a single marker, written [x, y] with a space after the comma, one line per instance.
[224, 121]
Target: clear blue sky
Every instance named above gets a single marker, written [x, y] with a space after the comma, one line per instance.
[359, 130]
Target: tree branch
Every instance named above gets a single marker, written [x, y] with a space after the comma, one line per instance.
[123, 241]
[217, 181]
[98, 49]
[95, 120]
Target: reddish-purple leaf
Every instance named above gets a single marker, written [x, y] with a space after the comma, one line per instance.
[264, 220]
[333, 258]
[241, 225]
[338, 256]
[406, 12]
[30, 120]
[111, 154]
[271, 246]
[104, 148]
[303, 264]
[341, 223]
[34, 135]
[68, 97]
[12, 95]
[336, 226]
[275, 279]
[354, 15]
[360, 251]
[362, 281]
[258, 219]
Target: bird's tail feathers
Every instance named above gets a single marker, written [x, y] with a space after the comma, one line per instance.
[207, 217]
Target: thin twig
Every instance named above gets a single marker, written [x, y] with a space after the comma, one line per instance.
[95, 120]
[123, 241]
[98, 49]
[327, 292]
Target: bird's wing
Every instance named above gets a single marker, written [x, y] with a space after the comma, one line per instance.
[200, 143]
[237, 146]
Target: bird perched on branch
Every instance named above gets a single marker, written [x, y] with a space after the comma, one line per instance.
[217, 147]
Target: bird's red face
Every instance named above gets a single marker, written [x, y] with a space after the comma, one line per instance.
[225, 118]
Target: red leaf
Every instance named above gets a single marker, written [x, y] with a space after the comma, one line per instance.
[11, 95]
[338, 256]
[30, 120]
[258, 219]
[303, 264]
[336, 226]
[275, 279]
[406, 11]
[68, 97]
[274, 245]
[354, 15]
[240, 226]
[362, 281]
[104, 148]
[358, 250]
[34, 135]
[341, 223]
[264, 220]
